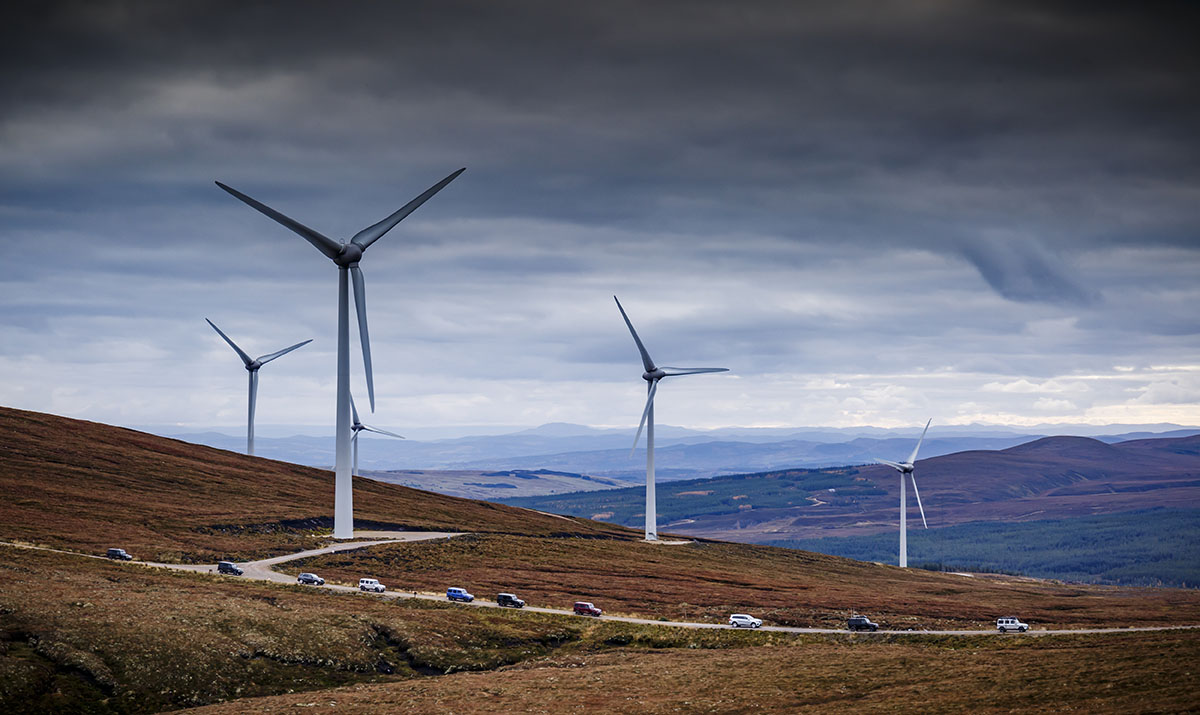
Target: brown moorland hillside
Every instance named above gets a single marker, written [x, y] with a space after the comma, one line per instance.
[1127, 673]
[82, 485]
[706, 581]
[1053, 477]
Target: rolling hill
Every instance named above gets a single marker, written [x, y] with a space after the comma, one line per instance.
[1053, 477]
[80, 634]
[82, 485]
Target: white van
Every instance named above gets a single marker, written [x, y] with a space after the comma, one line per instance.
[1004, 625]
[370, 584]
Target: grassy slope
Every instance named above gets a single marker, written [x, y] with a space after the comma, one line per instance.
[82, 485]
[1128, 673]
[707, 581]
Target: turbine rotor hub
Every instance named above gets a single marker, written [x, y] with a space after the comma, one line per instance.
[350, 254]
[656, 374]
[253, 366]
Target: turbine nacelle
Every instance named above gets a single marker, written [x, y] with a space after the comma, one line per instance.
[655, 374]
[349, 255]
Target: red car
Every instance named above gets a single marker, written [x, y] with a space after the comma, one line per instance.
[583, 608]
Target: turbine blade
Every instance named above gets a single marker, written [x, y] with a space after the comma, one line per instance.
[381, 431]
[371, 234]
[360, 305]
[268, 358]
[913, 459]
[893, 465]
[645, 413]
[245, 358]
[673, 371]
[918, 495]
[354, 411]
[646, 361]
[321, 242]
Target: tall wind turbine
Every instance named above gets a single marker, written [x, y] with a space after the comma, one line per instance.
[358, 427]
[252, 368]
[907, 468]
[652, 375]
[346, 255]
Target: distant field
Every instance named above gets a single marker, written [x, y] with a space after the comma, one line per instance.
[706, 581]
[1153, 547]
[491, 484]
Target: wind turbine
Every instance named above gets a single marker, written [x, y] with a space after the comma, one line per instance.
[907, 468]
[358, 427]
[346, 255]
[252, 368]
[652, 375]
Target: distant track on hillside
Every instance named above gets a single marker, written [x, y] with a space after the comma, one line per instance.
[262, 570]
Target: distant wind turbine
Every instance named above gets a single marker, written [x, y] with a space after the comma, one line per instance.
[908, 468]
[252, 367]
[358, 427]
[652, 375]
[346, 255]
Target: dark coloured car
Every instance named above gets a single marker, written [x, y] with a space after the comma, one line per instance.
[229, 567]
[585, 608]
[861, 623]
[119, 555]
[509, 600]
[310, 578]
[458, 594]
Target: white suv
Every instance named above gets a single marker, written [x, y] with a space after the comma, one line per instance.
[370, 584]
[741, 620]
[1004, 625]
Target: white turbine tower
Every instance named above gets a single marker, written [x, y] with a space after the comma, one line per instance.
[252, 368]
[358, 427]
[908, 468]
[346, 255]
[652, 375]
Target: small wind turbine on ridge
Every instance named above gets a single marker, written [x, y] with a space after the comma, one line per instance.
[346, 255]
[358, 427]
[908, 468]
[252, 367]
[652, 375]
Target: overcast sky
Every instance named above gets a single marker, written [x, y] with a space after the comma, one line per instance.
[872, 213]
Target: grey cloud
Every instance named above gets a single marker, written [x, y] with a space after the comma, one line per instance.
[1022, 269]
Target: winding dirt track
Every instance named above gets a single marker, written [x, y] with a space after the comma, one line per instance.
[262, 571]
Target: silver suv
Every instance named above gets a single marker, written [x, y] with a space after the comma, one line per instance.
[742, 620]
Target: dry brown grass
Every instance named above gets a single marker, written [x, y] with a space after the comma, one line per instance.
[82, 485]
[706, 581]
[1128, 673]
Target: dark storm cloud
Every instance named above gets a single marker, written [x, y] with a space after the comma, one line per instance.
[901, 123]
[804, 192]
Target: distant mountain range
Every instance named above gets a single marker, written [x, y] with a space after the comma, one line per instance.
[681, 453]
[1052, 477]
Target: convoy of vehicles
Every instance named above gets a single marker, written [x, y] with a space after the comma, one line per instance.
[371, 584]
[458, 594]
[582, 608]
[861, 623]
[509, 600]
[741, 620]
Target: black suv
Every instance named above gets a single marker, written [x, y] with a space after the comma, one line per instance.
[861, 623]
[229, 567]
[119, 554]
[510, 600]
